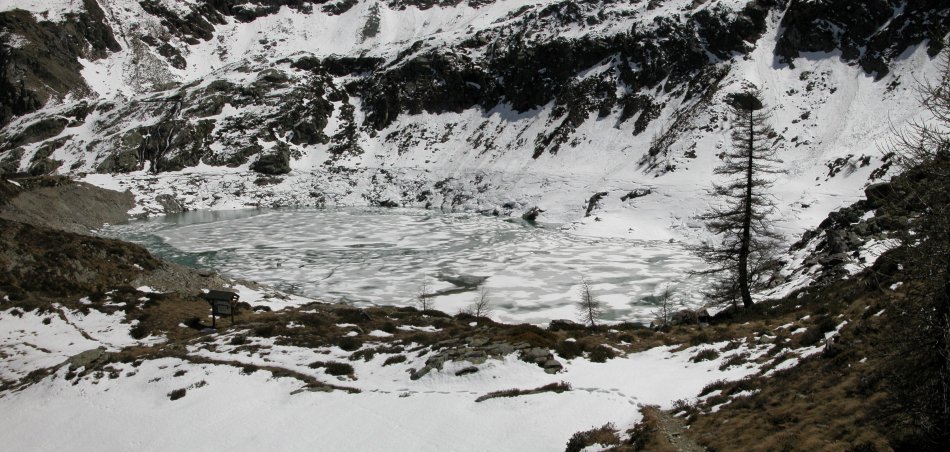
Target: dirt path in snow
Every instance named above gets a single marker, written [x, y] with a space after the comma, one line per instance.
[673, 431]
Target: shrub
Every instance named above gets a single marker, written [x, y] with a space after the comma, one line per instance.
[531, 334]
[435, 313]
[736, 360]
[395, 359]
[601, 354]
[365, 355]
[644, 334]
[701, 338]
[644, 431]
[139, 331]
[817, 332]
[349, 344]
[606, 435]
[776, 348]
[705, 354]
[732, 345]
[338, 369]
[569, 349]
[683, 406]
[177, 394]
[193, 322]
[714, 386]
[264, 330]
[312, 320]
[629, 326]
[441, 323]
[238, 340]
[551, 387]
[333, 368]
[352, 315]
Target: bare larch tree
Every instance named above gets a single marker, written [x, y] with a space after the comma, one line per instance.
[424, 296]
[589, 310]
[742, 219]
[482, 305]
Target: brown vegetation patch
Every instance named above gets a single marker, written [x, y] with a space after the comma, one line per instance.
[831, 401]
[552, 387]
[605, 435]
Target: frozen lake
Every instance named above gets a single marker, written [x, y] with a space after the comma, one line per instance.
[380, 256]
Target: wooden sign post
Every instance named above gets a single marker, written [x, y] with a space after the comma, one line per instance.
[223, 303]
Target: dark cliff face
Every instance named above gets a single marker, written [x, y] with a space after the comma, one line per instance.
[870, 33]
[46, 65]
[521, 63]
[528, 74]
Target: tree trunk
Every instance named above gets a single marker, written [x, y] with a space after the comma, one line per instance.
[942, 317]
[745, 243]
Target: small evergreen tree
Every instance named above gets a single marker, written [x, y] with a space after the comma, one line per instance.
[742, 220]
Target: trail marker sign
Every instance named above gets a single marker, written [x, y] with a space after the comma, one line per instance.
[221, 307]
[222, 304]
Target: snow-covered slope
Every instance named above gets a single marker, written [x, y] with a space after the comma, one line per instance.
[497, 106]
[244, 392]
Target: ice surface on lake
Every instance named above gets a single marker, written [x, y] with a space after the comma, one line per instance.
[380, 256]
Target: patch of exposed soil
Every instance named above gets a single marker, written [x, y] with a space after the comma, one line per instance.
[673, 431]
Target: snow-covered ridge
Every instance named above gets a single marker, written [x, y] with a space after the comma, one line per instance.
[450, 106]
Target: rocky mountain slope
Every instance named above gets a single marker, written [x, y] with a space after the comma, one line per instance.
[604, 114]
[487, 105]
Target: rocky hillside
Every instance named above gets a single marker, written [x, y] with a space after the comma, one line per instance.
[99, 329]
[488, 105]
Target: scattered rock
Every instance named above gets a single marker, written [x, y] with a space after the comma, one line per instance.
[552, 366]
[466, 371]
[880, 193]
[565, 325]
[177, 394]
[274, 163]
[478, 341]
[469, 281]
[417, 374]
[688, 317]
[593, 202]
[88, 358]
[532, 214]
[638, 193]
[169, 204]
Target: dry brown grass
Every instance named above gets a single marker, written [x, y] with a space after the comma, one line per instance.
[828, 403]
[605, 435]
[552, 387]
[648, 434]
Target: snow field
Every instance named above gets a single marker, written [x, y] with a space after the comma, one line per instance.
[32, 341]
[224, 408]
